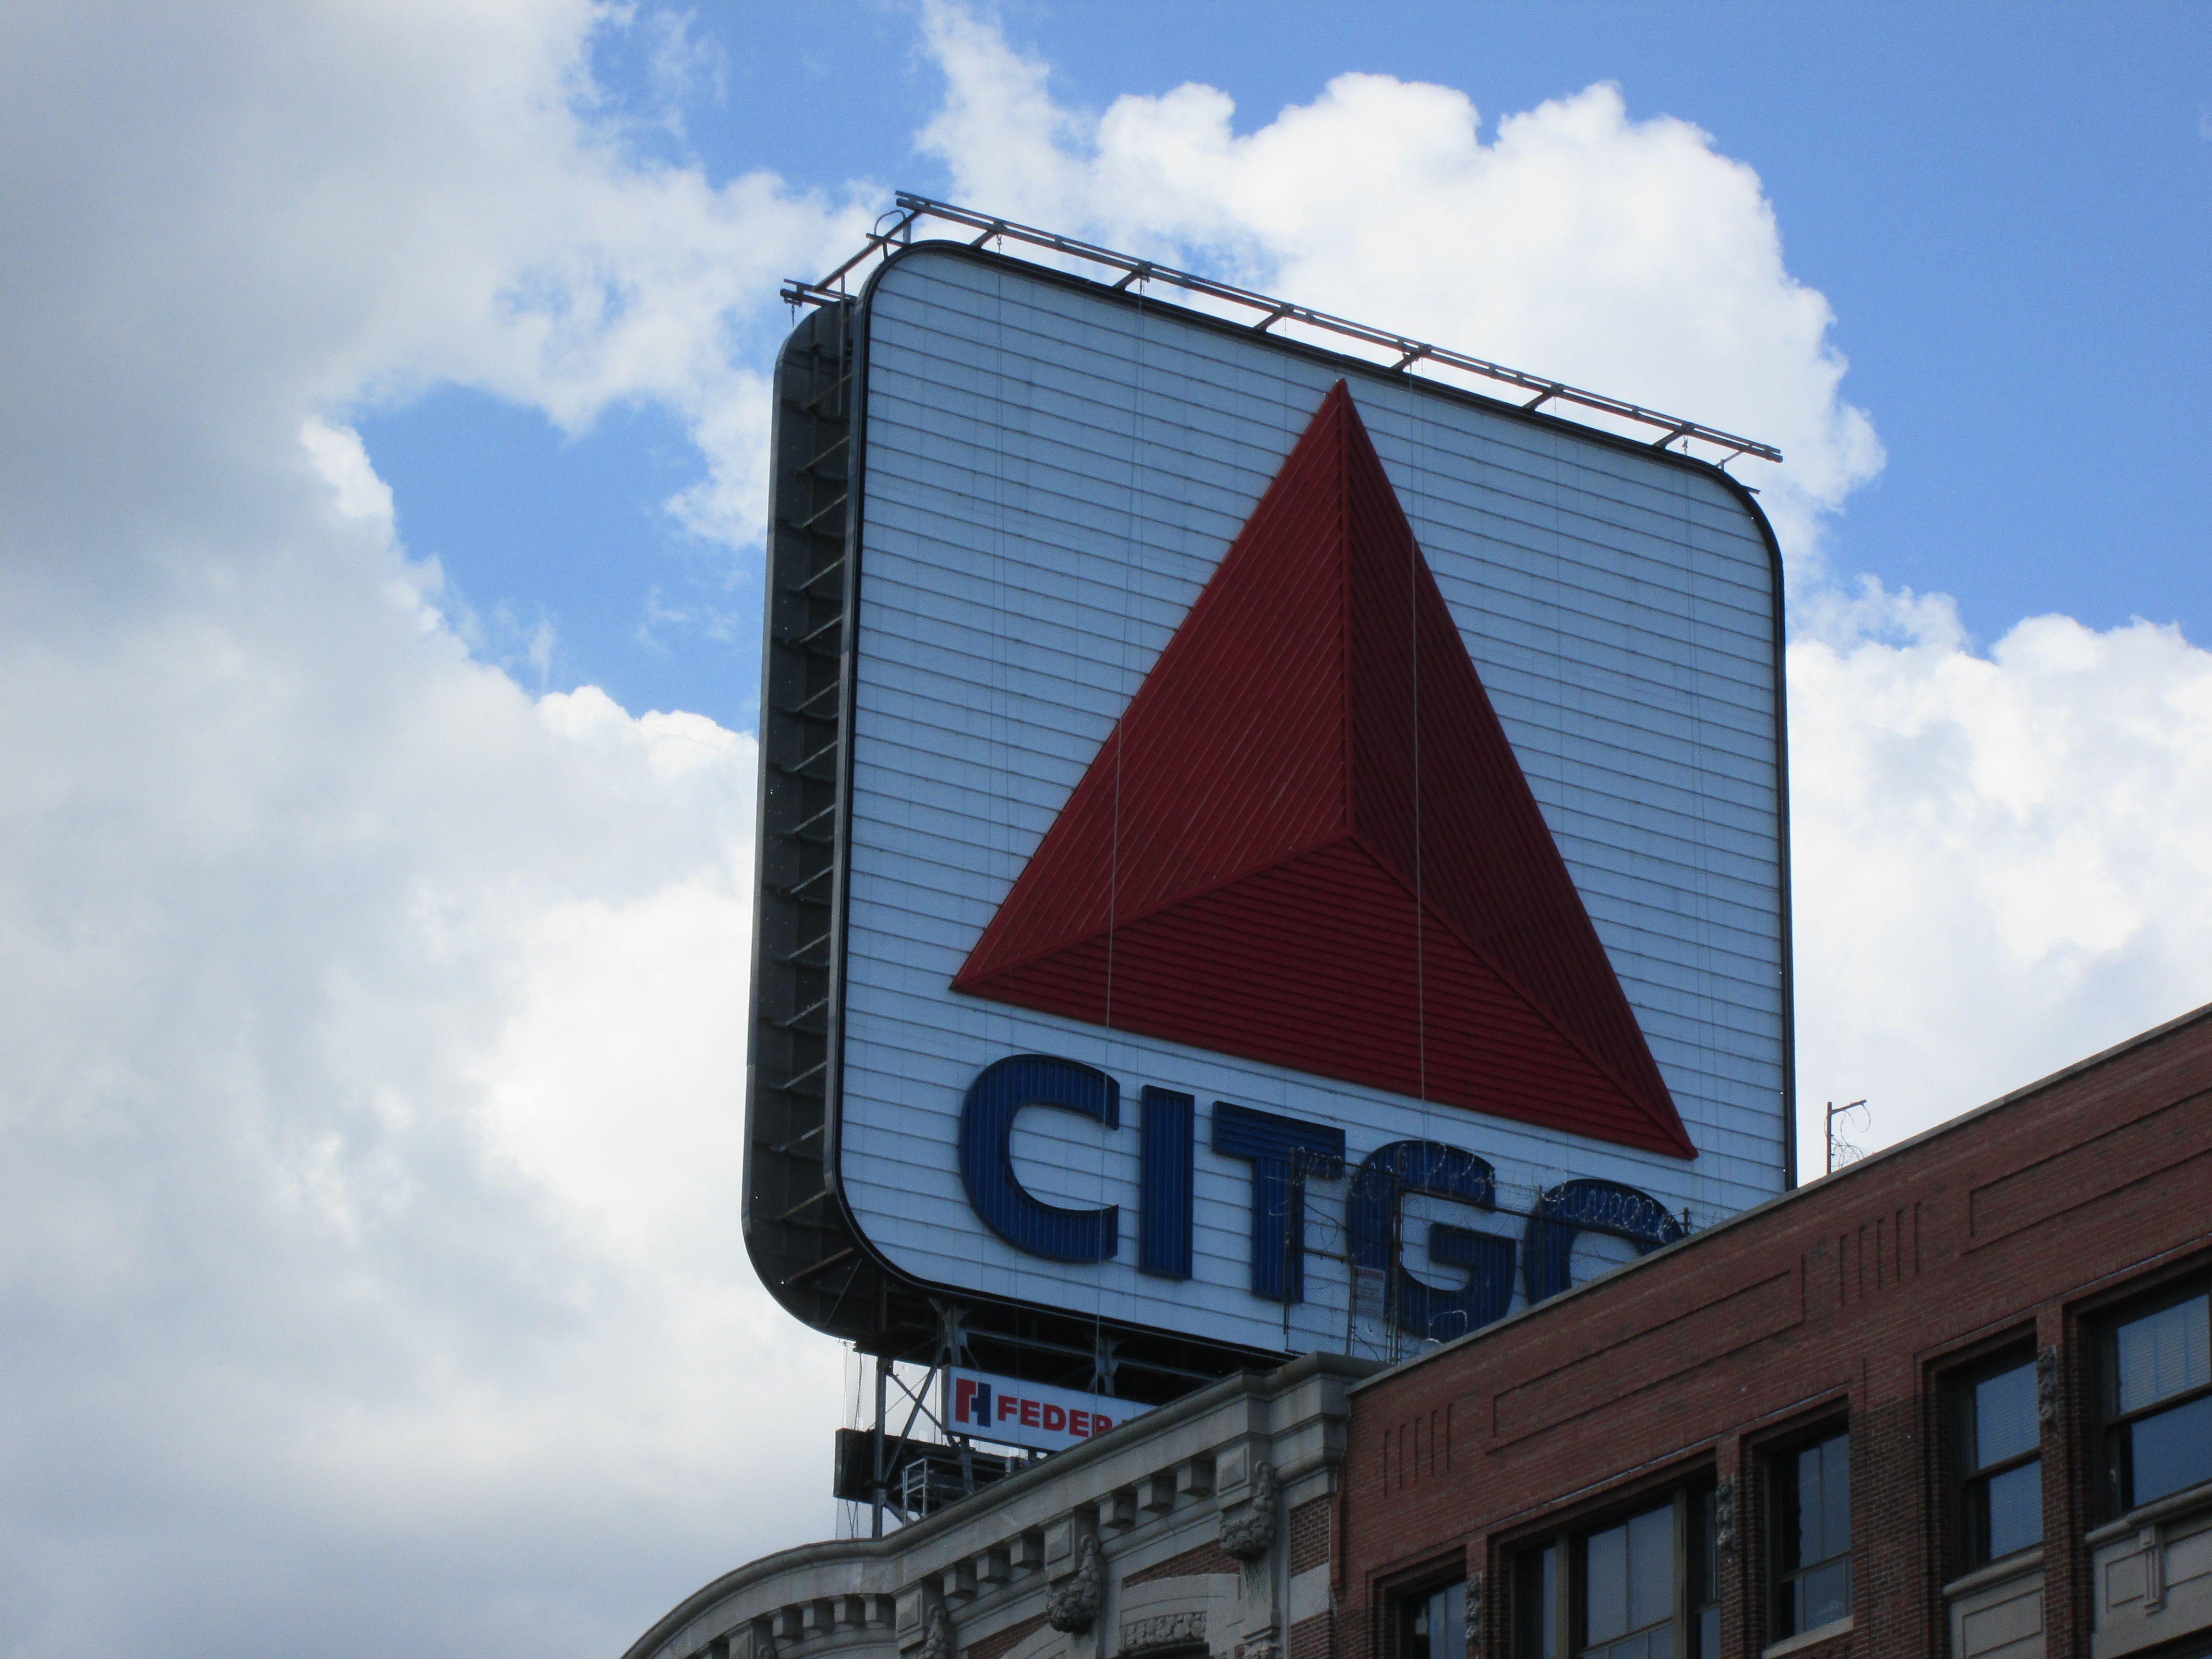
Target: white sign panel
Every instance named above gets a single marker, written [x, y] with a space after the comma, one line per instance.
[1393, 932]
[1012, 1413]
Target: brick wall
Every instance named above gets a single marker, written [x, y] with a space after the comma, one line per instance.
[1849, 1297]
[1308, 1535]
[991, 1646]
[1208, 1557]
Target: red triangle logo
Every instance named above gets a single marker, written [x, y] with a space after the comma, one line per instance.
[1309, 842]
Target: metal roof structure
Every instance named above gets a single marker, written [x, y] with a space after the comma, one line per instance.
[896, 228]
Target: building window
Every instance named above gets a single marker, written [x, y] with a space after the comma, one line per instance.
[1640, 1586]
[2156, 1388]
[1537, 1603]
[1809, 1506]
[2000, 1479]
[1431, 1622]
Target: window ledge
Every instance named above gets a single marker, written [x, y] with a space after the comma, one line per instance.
[1805, 1638]
[2011, 1566]
[2180, 1503]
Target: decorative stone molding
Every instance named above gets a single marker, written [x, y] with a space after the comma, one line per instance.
[2046, 1388]
[1063, 1541]
[1724, 1513]
[942, 1642]
[1073, 1606]
[1231, 1467]
[1252, 1534]
[924, 1622]
[1165, 1630]
[1475, 1589]
[1050, 1573]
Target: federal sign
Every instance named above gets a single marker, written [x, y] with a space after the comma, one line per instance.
[978, 1404]
[1259, 850]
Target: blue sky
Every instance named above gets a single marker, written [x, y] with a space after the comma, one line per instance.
[2009, 207]
[372, 1067]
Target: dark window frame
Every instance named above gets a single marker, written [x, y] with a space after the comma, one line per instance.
[1420, 1589]
[1777, 1473]
[2112, 1440]
[1968, 1483]
[1695, 1572]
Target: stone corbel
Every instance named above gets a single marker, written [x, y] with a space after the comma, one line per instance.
[1072, 1606]
[925, 1624]
[942, 1641]
[1251, 1535]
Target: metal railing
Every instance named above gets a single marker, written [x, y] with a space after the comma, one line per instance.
[896, 229]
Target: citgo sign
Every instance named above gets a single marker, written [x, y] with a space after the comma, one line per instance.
[1377, 788]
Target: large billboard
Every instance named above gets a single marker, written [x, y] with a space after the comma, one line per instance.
[1260, 852]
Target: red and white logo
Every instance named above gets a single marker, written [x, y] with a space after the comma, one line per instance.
[1309, 842]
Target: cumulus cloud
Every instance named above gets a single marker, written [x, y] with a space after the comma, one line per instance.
[1626, 256]
[2004, 858]
[371, 1059]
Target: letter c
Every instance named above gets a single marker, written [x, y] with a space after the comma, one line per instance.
[996, 1097]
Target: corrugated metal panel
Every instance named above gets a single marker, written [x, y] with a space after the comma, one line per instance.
[1053, 476]
[1309, 842]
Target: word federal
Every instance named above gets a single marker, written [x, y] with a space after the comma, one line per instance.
[1031, 1414]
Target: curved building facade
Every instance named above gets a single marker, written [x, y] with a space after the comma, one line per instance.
[1200, 1527]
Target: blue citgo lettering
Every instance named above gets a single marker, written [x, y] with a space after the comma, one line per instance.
[1164, 1213]
[1377, 1193]
[1283, 1153]
[996, 1097]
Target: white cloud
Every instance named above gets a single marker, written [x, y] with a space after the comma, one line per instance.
[343, 464]
[2004, 861]
[1624, 256]
[372, 1063]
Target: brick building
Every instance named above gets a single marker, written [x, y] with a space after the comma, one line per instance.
[1954, 1399]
